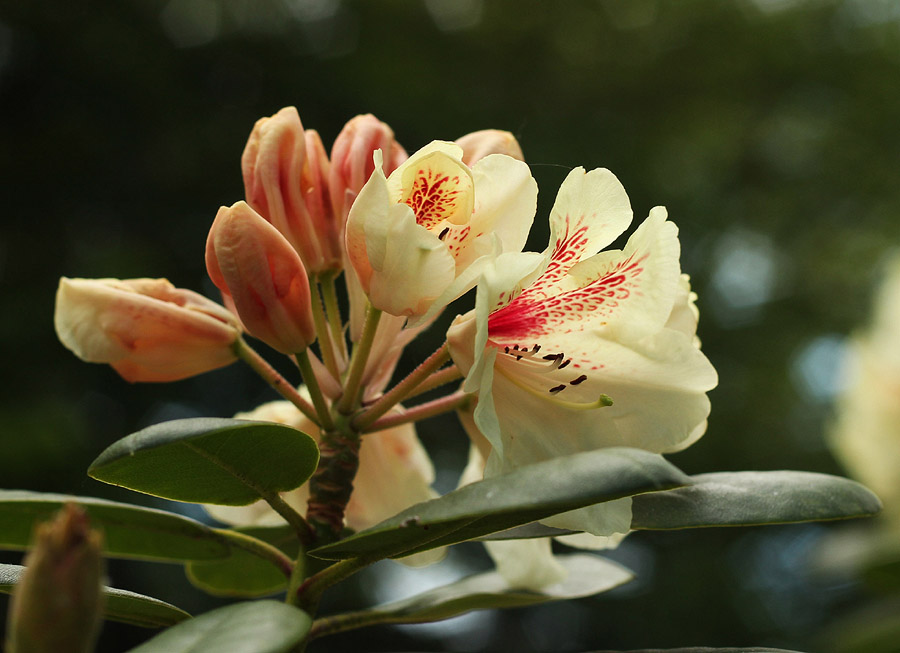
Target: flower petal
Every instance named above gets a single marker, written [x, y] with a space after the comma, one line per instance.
[526, 564]
[436, 185]
[505, 203]
[590, 212]
[631, 290]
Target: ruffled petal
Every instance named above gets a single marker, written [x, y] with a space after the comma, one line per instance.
[632, 290]
[505, 203]
[590, 212]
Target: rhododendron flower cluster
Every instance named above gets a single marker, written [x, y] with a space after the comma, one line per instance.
[569, 350]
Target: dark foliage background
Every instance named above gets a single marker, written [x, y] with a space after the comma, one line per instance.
[767, 127]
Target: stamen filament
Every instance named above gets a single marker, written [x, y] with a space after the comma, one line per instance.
[602, 401]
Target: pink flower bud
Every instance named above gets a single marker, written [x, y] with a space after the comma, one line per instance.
[285, 172]
[253, 264]
[480, 144]
[147, 329]
[351, 159]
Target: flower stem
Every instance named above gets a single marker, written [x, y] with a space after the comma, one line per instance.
[258, 548]
[420, 412]
[402, 389]
[436, 380]
[347, 403]
[333, 311]
[349, 621]
[308, 595]
[273, 378]
[304, 532]
[331, 485]
[315, 392]
[325, 344]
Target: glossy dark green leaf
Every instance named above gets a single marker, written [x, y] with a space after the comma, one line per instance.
[752, 498]
[588, 575]
[528, 531]
[128, 531]
[520, 497]
[119, 605]
[243, 574]
[251, 627]
[210, 460]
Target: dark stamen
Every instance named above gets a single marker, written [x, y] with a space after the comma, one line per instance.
[558, 388]
[444, 233]
[564, 363]
[580, 379]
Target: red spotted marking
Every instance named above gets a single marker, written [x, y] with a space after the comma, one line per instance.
[434, 197]
[531, 314]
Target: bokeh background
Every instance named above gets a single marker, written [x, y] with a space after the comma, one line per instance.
[769, 129]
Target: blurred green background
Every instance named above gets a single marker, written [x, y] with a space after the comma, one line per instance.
[768, 128]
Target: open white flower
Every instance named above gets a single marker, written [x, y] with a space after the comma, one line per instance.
[413, 237]
[555, 338]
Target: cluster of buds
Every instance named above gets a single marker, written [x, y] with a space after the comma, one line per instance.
[567, 350]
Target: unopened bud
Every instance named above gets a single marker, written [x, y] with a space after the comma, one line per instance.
[58, 604]
[351, 159]
[146, 329]
[285, 170]
[253, 264]
[480, 144]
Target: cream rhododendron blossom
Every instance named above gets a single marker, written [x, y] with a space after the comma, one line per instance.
[414, 237]
[555, 338]
[866, 432]
[146, 329]
[395, 472]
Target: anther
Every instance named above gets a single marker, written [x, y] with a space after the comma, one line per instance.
[558, 388]
[444, 233]
[580, 379]
[564, 363]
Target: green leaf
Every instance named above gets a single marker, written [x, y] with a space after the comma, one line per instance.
[243, 574]
[520, 497]
[210, 460]
[753, 498]
[588, 575]
[528, 531]
[120, 605]
[128, 531]
[251, 627]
